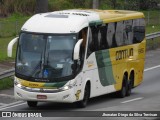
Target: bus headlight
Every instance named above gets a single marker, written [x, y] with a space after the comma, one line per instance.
[17, 83]
[67, 87]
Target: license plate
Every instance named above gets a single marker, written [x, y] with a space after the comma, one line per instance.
[41, 96]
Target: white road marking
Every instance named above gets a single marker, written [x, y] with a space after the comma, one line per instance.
[132, 100]
[147, 69]
[13, 103]
[12, 106]
[5, 95]
[2, 104]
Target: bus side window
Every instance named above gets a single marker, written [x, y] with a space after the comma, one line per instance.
[102, 37]
[83, 35]
[90, 48]
[110, 36]
[95, 41]
[119, 35]
[128, 32]
[138, 30]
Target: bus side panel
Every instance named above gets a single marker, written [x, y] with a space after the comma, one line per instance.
[107, 67]
[98, 64]
[139, 65]
[128, 58]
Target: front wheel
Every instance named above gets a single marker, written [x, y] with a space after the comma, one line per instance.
[32, 103]
[83, 103]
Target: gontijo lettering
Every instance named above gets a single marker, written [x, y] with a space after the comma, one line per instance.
[123, 54]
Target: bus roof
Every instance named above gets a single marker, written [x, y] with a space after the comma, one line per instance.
[72, 21]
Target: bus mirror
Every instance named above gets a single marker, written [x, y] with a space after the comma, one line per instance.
[77, 49]
[10, 46]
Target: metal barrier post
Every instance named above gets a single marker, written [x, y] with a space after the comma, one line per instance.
[152, 43]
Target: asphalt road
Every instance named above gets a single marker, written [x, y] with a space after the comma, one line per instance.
[145, 97]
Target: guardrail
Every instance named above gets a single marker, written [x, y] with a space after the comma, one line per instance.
[152, 42]
[153, 35]
[7, 73]
[149, 37]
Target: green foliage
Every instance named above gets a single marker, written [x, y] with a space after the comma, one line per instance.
[3, 49]
[69, 4]
[59, 4]
[112, 4]
[8, 7]
[142, 4]
[6, 83]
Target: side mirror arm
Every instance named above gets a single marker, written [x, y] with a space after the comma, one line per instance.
[10, 46]
[77, 49]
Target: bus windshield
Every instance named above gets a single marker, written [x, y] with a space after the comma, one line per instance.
[45, 57]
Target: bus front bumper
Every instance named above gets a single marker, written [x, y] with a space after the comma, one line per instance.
[66, 96]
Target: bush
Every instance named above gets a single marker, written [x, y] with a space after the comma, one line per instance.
[8, 7]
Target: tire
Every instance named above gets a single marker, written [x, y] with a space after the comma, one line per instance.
[123, 91]
[32, 103]
[83, 103]
[130, 84]
[129, 88]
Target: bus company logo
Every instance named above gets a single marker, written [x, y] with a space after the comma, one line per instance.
[90, 64]
[78, 94]
[6, 114]
[123, 54]
[33, 85]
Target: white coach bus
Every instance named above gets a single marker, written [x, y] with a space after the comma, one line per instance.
[73, 55]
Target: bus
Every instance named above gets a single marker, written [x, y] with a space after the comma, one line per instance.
[71, 56]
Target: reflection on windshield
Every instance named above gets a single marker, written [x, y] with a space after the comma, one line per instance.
[42, 56]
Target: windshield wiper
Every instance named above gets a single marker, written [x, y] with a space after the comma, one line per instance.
[39, 67]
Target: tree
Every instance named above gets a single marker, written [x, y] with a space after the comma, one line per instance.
[148, 4]
[41, 6]
[95, 4]
[113, 3]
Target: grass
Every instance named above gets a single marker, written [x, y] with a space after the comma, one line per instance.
[3, 49]
[14, 17]
[152, 28]
[11, 26]
[153, 20]
[153, 44]
[6, 83]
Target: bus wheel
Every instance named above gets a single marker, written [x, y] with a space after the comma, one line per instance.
[130, 84]
[123, 91]
[129, 88]
[83, 103]
[32, 103]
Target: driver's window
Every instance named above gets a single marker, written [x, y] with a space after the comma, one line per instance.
[83, 35]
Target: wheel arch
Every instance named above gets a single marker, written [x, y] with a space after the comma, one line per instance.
[88, 83]
[125, 74]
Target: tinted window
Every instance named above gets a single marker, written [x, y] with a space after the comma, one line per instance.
[128, 32]
[119, 35]
[110, 36]
[90, 43]
[102, 37]
[138, 30]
